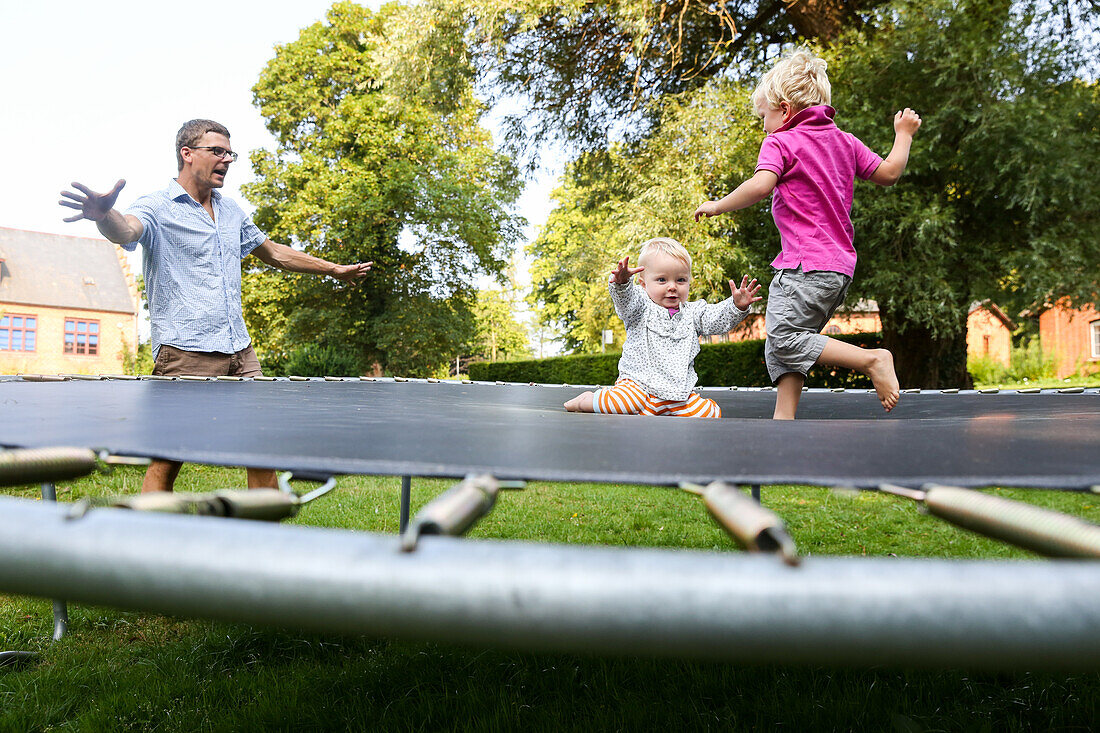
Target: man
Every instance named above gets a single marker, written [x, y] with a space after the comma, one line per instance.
[193, 240]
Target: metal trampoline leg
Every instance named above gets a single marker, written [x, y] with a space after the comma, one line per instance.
[406, 499]
[60, 611]
[756, 492]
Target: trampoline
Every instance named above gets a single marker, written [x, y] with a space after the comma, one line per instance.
[1048, 440]
[986, 614]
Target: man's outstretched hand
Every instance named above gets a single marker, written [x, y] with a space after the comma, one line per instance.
[352, 273]
[91, 205]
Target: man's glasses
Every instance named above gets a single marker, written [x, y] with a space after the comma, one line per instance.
[217, 151]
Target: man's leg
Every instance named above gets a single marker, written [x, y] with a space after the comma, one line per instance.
[245, 364]
[788, 393]
[160, 476]
[878, 364]
[262, 478]
[174, 362]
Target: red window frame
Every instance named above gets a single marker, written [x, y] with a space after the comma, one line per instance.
[81, 337]
[18, 332]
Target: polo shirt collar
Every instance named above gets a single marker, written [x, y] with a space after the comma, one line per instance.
[818, 116]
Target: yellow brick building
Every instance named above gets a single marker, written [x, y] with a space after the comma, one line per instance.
[68, 305]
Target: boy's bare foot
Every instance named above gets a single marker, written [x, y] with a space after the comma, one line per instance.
[884, 378]
[580, 403]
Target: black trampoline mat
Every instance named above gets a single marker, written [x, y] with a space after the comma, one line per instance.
[416, 428]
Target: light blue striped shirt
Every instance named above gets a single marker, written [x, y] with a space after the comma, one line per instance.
[192, 269]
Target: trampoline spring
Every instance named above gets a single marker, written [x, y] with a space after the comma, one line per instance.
[43, 378]
[262, 504]
[1040, 530]
[455, 510]
[753, 527]
[36, 465]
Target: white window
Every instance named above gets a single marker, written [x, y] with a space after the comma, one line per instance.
[1094, 332]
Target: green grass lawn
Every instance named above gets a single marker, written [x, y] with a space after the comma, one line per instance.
[120, 670]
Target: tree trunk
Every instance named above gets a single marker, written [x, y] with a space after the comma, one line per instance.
[923, 361]
[820, 19]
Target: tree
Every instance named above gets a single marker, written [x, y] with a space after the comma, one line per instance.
[998, 200]
[380, 156]
[500, 337]
[612, 202]
[590, 72]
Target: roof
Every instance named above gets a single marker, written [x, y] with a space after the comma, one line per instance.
[997, 313]
[67, 272]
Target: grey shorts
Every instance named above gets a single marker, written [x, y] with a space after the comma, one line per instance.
[799, 305]
[173, 362]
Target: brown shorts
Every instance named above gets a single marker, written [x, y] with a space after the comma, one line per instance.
[173, 362]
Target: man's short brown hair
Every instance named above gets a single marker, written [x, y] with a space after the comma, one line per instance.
[190, 134]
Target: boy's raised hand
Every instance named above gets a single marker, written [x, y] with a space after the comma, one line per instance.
[745, 295]
[906, 121]
[707, 209]
[623, 271]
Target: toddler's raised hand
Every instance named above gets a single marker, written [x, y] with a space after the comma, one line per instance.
[623, 271]
[745, 295]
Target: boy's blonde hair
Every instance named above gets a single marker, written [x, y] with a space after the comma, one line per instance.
[664, 246]
[798, 79]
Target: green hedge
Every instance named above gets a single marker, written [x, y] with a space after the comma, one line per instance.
[739, 364]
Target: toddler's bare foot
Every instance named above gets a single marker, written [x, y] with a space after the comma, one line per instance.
[580, 403]
[885, 380]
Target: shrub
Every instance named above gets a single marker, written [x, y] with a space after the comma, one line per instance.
[1027, 362]
[739, 363]
[313, 360]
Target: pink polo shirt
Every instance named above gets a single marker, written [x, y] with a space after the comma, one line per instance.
[817, 164]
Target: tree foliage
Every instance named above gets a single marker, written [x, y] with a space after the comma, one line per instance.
[998, 199]
[380, 156]
[590, 72]
[612, 202]
[500, 336]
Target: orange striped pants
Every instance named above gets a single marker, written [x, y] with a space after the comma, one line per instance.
[628, 398]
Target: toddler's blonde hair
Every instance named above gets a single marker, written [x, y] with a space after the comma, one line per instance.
[665, 246]
[798, 79]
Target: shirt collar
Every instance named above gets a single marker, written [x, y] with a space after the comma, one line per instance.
[818, 116]
[175, 191]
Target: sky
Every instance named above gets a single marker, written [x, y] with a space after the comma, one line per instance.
[95, 91]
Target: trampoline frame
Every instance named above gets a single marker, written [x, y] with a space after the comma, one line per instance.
[1058, 631]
